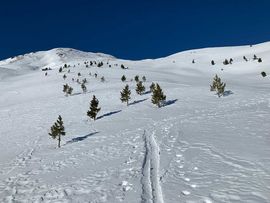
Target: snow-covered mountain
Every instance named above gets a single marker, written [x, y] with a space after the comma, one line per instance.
[196, 148]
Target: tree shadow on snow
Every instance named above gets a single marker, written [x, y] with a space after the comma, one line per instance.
[79, 93]
[227, 93]
[170, 102]
[147, 92]
[108, 114]
[81, 138]
[75, 94]
[137, 101]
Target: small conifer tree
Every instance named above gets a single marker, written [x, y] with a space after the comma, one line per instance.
[244, 57]
[83, 88]
[263, 74]
[125, 94]
[65, 88]
[143, 78]
[93, 110]
[226, 62]
[102, 79]
[259, 60]
[158, 97]
[84, 81]
[152, 87]
[212, 62]
[123, 78]
[136, 78]
[140, 88]
[218, 86]
[60, 70]
[58, 130]
[79, 74]
[69, 90]
[255, 57]
[64, 76]
[100, 64]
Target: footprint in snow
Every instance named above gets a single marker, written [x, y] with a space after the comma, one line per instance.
[187, 179]
[185, 192]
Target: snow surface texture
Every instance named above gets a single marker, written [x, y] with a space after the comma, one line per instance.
[197, 148]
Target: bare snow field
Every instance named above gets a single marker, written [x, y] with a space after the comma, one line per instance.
[197, 148]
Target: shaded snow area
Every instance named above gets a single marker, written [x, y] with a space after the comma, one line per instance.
[197, 148]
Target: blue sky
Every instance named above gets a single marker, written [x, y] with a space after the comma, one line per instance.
[130, 29]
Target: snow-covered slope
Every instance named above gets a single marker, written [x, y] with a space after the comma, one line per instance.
[197, 148]
[48, 59]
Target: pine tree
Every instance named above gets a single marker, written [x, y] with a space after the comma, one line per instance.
[259, 60]
[65, 66]
[100, 64]
[125, 94]
[213, 87]
[140, 88]
[60, 70]
[102, 79]
[65, 88]
[58, 130]
[152, 87]
[83, 88]
[213, 62]
[255, 57]
[136, 78]
[226, 62]
[244, 57]
[220, 89]
[193, 61]
[92, 113]
[123, 78]
[69, 90]
[84, 81]
[263, 74]
[218, 86]
[143, 78]
[79, 74]
[158, 97]
[64, 76]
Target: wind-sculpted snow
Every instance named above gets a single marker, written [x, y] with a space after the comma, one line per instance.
[197, 148]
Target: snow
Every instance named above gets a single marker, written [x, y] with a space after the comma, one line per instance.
[197, 148]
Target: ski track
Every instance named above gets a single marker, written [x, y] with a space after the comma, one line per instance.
[151, 184]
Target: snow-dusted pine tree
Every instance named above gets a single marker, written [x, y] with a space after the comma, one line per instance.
[84, 89]
[58, 130]
[93, 110]
[65, 88]
[123, 78]
[218, 86]
[69, 90]
[143, 78]
[152, 87]
[140, 88]
[136, 78]
[125, 94]
[158, 97]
